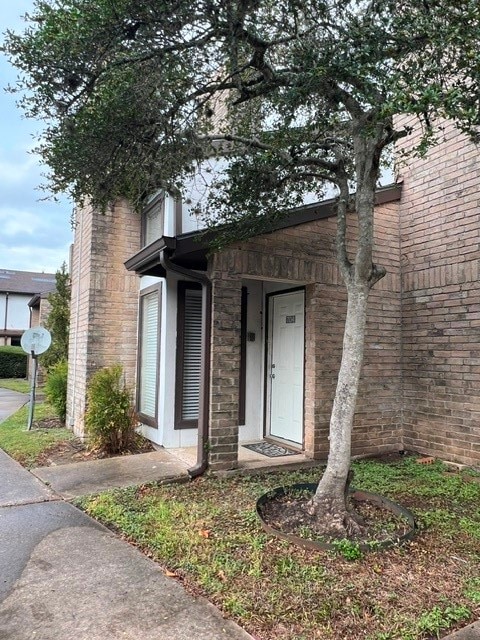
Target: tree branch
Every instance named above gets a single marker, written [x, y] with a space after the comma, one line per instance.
[341, 236]
[290, 159]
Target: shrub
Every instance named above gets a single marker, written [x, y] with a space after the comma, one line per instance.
[109, 419]
[56, 388]
[58, 320]
[13, 362]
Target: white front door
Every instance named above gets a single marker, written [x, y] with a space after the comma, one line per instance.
[286, 365]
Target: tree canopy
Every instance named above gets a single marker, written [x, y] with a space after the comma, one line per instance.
[133, 92]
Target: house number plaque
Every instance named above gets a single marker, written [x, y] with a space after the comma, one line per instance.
[290, 319]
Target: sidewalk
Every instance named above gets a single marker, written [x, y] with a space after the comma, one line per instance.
[472, 632]
[65, 576]
[11, 401]
[82, 478]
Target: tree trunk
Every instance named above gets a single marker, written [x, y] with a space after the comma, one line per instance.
[329, 503]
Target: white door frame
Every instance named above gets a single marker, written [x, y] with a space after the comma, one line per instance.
[269, 350]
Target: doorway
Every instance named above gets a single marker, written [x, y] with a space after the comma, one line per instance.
[285, 365]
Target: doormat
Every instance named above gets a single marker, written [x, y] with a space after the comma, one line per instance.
[270, 450]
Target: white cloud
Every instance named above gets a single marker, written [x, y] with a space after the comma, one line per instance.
[14, 172]
[14, 222]
[29, 257]
[34, 234]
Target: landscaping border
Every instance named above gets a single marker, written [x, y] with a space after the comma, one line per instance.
[317, 545]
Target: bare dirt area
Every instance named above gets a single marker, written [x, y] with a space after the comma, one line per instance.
[289, 514]
[74, 449]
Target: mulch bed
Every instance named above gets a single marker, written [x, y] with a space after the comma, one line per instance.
[288, 514]
[74, 449]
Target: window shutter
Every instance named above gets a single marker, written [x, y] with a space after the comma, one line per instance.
[192, 354]
[149, 348]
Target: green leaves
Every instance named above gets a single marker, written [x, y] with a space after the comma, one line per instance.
[109, 419]
[58, 320]
[131, 91]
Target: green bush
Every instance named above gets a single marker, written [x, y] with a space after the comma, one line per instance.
[56, 388]
[13, 362]
[109, 419]
[58, 320]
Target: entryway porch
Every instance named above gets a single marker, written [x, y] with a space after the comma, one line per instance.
[249, 460]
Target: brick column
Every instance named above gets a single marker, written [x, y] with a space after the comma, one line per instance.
[316, 422]
[325, 317]
[104, 303]
[225, 371]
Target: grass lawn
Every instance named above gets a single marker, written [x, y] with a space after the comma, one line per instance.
[26, 446]
[15, 384]
[206, 533]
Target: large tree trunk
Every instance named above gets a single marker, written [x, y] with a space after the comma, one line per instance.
[329, 503]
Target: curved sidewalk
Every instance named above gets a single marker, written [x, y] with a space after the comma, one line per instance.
[63, 575]
[11, 401]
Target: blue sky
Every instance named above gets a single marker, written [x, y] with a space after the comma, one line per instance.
[35, 235]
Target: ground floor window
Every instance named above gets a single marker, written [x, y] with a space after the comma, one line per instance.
[189, 355]
[149, 324]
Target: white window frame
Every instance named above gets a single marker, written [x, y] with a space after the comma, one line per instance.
[152, 293]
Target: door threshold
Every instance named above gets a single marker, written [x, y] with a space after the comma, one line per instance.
[283, 442]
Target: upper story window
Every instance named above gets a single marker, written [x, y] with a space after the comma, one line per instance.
[153, 217]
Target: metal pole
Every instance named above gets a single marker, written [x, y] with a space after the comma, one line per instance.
[32, 391]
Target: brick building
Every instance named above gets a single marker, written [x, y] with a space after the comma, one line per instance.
[18, 309]
[245, 344]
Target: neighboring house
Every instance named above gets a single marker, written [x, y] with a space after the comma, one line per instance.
[18, 310]
[265, 362]
[40, 308]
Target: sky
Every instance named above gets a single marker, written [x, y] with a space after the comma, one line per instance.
[35, 235]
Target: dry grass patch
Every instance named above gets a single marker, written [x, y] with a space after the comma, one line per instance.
[207, 534]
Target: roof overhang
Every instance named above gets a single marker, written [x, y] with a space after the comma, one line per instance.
[35, 301]
[190, 250]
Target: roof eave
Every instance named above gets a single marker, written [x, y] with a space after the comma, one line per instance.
[190, 249]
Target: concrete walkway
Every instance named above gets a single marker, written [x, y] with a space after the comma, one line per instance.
[82, 478]
[62, 575]
[472, 632]
[11, 401]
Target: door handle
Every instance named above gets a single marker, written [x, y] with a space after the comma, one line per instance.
[272, 375]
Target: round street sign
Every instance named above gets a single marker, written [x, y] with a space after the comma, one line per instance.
[36, 339]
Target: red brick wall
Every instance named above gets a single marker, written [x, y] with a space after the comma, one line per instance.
[439, 221]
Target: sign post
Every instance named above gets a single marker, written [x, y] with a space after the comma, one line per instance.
[34, 341]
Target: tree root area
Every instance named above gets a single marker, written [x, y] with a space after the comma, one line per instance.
[364, 522]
